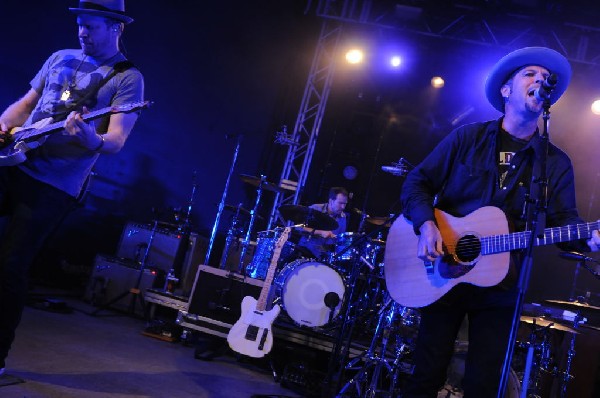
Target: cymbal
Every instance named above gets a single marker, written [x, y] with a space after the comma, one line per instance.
[311, 218]
[241, 209]
[263, 184]
[379, 221]
[543, 322]
[574, 305]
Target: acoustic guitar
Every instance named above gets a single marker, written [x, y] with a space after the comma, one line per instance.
[476, 251]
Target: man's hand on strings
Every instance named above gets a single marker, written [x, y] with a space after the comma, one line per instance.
[430, 242]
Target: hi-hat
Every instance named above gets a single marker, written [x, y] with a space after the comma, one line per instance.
[544, 322]
[311, 218]
[574, 305]
[263, 184]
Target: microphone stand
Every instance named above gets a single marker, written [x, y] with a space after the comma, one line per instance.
[537, 221]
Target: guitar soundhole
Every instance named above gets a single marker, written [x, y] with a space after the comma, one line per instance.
[468, 248]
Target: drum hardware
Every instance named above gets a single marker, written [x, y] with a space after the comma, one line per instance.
[342, 342]
[367, 381]
[223, 197]
[234, 233]
[262, 184]
[311, 218]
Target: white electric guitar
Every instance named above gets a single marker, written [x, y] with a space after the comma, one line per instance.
[20, 140]
[251, 335]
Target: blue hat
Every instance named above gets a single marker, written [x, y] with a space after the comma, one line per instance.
[114, 9]
[550, 59]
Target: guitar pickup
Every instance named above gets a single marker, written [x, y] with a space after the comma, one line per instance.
[429, 267]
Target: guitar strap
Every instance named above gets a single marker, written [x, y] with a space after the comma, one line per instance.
[117, 68]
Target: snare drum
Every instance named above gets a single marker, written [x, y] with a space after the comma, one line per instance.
[306, 288]
[263, 253]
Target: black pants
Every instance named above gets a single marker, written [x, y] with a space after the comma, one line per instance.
[490, 313]
[34, 209]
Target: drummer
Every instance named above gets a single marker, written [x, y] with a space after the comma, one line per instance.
[320, 243]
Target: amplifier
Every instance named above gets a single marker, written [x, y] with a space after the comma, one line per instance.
[218, 294]
[135, 239]
[112, 277]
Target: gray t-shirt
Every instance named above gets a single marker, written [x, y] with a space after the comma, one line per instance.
[60, 161]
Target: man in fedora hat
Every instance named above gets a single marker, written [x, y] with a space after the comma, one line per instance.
[38, 187]
[488, 164]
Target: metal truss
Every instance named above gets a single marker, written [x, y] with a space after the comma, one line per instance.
[502, 24]
[301, 143]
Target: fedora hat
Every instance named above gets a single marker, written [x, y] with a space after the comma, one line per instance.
[550, 59]
[114, 9]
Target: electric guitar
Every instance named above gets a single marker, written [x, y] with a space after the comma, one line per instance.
[20, 140]
[476, 251]
[251, 335]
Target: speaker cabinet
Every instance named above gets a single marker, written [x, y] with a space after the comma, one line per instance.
[218, 294]
[112, 277]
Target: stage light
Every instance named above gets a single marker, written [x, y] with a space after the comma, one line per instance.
[437, 82]
[354, 56]
[596, 107]
[350, 172]
[395, 61]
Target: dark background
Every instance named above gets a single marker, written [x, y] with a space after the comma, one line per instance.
[219, 69]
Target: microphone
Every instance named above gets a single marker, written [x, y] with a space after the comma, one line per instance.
[331, 299]
[575, 256]
[543, 92]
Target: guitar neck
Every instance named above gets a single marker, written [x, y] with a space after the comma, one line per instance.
[56, 126]
[519, 240]
[261, 303]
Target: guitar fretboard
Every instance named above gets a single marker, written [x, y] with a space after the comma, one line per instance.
[519, 240]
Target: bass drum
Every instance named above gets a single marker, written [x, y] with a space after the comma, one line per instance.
[311, 292]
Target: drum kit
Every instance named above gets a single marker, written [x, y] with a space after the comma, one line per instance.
[327, 295]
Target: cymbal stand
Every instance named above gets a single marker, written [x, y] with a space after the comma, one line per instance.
[233, 234]
[375, 358]
[566, 374]
[253, 213]
[222, 203]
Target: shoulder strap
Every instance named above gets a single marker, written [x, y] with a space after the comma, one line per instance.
[119, 67]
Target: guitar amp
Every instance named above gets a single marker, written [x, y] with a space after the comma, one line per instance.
[216, 299]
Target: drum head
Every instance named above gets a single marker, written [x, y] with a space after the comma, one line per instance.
[306, 287]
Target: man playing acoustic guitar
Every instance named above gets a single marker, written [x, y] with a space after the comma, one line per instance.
[477, 166]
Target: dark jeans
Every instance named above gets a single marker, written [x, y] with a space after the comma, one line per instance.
[490, 313]
[34, 210]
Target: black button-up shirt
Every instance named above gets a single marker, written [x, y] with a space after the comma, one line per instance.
[461, 175]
